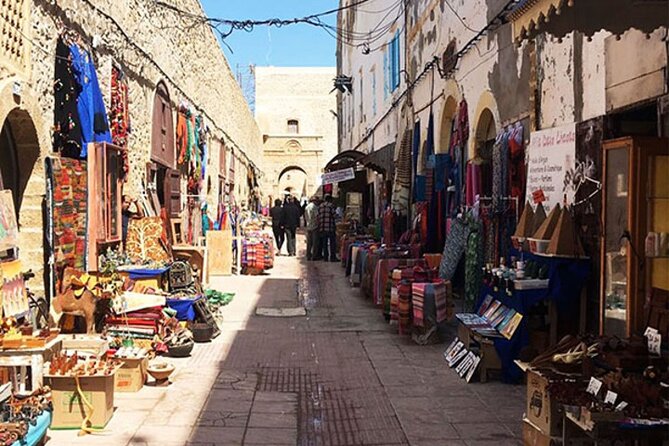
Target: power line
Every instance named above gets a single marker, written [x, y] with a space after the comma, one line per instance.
[249, 25]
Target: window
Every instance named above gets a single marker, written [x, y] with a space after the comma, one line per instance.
[293, 126]
[361, 95]
[372, 74]
[391, 63]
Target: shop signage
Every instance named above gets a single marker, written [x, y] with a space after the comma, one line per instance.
[551, 160]
[338, 176]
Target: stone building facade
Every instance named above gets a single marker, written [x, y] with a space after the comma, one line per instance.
[543, 64]
[296, 114]
[153, 45]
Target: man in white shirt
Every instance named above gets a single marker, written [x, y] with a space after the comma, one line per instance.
[311, 219]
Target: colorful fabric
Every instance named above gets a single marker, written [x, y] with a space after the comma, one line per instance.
[417, 302]
[404, 306]
[68, 187]
[119, 117]
[473, 267]
[90, 105]
[454, 247]
[442, 299]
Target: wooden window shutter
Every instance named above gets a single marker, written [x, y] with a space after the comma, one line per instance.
[162, 129]
[173, 190]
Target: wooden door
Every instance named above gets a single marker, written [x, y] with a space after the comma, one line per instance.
[162, 129]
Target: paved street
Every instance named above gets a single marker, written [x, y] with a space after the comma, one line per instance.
[337, 376]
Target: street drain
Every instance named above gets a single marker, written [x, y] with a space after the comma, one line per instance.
[324, 417]
[281, 312]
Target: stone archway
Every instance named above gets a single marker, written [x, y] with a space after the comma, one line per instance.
[485, 122]
[293, 179]
[23, 118]
[19, 153]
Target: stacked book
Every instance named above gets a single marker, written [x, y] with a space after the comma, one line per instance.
[493, 319]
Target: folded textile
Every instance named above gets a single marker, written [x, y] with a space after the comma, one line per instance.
[418, 291]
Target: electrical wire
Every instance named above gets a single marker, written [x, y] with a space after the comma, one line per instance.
[448, 4]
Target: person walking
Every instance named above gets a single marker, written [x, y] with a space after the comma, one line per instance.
[326, 228]
[277, 224]
[311, 219]
[291, 221]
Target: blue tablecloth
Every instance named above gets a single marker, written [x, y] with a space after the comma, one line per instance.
[567, 277]
[184, 307]
[144, 273]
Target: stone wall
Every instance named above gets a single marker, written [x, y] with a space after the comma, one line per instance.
[150, 43]
[301, 94]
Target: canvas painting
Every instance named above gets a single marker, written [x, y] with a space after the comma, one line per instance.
[13, 291]
[9, 229]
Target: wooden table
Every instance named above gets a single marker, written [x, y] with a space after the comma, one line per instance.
[19, 360]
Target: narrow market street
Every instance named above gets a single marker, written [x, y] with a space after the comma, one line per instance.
[337, 376]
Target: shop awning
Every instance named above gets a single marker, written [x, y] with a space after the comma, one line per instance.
[342, 160]
[381, 160]
[560, 17]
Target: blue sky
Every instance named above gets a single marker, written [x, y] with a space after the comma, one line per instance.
[294, 45]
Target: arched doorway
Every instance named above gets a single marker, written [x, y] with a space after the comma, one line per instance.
[294, 180]
[446, 129]
[19, 152]
[484, 140]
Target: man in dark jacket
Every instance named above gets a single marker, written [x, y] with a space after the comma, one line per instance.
[291, 221]
[277, 224]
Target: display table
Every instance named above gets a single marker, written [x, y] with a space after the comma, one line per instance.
[37, 431]
[606, 431]
[185, 308]
[19, 360]
[567, 277]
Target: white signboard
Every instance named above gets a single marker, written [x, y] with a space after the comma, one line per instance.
[338, 176]
[551, 155]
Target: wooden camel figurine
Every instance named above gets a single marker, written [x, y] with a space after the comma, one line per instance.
[76, 297]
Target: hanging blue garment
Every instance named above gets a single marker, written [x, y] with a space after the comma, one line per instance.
[442, 166]
[90, 105]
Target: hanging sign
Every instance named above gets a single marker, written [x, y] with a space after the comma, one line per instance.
[551, 159]
[338, 176]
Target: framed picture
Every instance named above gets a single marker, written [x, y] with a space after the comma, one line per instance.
[176, 231]
[9, 229]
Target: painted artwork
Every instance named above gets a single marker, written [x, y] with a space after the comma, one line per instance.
[9, 229]
[13, 291]
[146, 240]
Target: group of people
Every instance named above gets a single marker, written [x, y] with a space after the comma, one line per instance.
[319, 217]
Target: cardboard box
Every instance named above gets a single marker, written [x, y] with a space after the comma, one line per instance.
[541, 411]
[69, 411]
[532, 435]
[131, 376]
[81, 343]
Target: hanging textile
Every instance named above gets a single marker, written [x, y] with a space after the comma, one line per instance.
[67, 128]
[68, 180]
[119, 117]
[419, 179]
[402, 181]
[454, 247]
[517, 169]
[458, 150]
[473, 266]
[500, 171]
[473, 183]
[90, 105]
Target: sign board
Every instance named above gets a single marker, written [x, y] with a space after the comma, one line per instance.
[338, 176]
[551, 159]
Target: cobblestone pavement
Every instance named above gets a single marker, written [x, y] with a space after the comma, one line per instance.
[337, 376]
